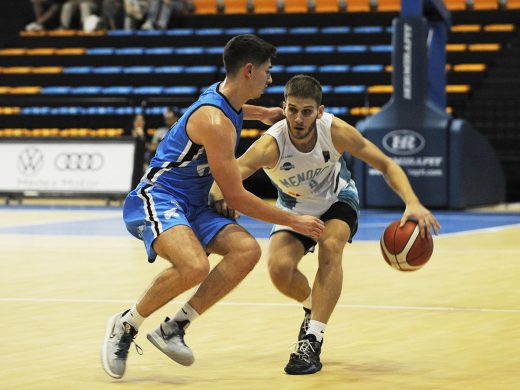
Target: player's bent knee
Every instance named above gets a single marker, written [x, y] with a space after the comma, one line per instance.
[281, 273]
[195, 271]
[249, 250]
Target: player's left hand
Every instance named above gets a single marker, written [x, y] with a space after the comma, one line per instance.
[273, 115]
[423, 216]
[221, 207]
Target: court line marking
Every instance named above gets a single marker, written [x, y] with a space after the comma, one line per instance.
[270, 304]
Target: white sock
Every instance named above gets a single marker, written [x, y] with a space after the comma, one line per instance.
[317, 329]
[133, 317]
[307, 302]
[187, 313]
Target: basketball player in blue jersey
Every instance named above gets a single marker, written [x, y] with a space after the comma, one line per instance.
[302, 155]
[169, 209]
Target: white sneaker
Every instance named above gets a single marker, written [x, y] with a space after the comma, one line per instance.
[147, 26]
[169, 338]
[116, 343]
[33, 26]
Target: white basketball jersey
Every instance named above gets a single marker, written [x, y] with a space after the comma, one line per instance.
[309, 183]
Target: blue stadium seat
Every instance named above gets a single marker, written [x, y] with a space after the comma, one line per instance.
[138, 69]
[301, 69]
[303, 30]
[201, 69]
[180, 31]
[209, 31]
[272, 30]
[381, 48]
[97, 51]
[55, 90]
[335, 30]
[368, 29]
[117, 90]
[149, 33]
[277, 68]
[117, 33]
[290, 49]
[183, 90]
[107, 69]
[275, 89]
[319, 49]
[338, 110]
[349, 89]
[214, 50]
[334, 68]
[132, 51]
[161, 51]
[169, 69]
[239, 30]
[148, 90]
[77, 69]
[368, 68]
[189, 50]
[86, 90]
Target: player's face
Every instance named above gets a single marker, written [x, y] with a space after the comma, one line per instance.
[261, 78]
[301, 115]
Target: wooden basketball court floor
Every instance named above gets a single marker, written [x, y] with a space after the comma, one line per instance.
[455, 324]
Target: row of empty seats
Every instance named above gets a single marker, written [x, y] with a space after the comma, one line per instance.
[200, 50]
[333, 68]
[331, 6]
[328, 30]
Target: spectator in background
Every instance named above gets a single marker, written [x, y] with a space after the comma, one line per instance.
[170, 116]
[45, 11]
[138, 132]
[160, 12]
[86, 8]
[135, 11]
[112, 14]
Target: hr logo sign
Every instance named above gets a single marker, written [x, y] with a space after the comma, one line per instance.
[403, 142]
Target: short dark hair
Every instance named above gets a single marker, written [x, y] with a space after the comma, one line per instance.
[303, 86]
[246, 48]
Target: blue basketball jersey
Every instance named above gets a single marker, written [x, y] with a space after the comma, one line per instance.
[181, 166]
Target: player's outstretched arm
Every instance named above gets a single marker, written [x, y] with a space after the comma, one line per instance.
[208, 126]
[267, 115]
[347, 138]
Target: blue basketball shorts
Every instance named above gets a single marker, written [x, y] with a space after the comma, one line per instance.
[150, 210]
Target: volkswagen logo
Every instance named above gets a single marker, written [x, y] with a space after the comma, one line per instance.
[79, 161]
[403, 142]
[30, 161]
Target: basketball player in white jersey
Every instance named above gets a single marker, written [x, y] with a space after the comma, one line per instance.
[302, 155]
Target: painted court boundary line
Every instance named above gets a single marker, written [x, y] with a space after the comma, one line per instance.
[268, 304]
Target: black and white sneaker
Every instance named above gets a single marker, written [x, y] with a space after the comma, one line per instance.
[305, 324]
[168, 337]
[306, 358]
[116, 344]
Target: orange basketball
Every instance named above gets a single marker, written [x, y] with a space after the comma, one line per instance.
[403, 248]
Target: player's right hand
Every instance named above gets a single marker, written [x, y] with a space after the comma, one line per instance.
[309, 226]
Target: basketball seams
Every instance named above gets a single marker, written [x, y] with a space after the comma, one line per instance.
[400, 246]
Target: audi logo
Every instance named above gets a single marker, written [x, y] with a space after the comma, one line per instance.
[79, 161]
[30, 161]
